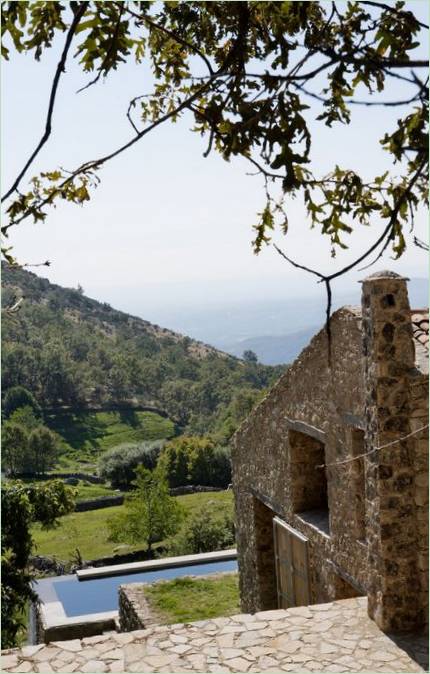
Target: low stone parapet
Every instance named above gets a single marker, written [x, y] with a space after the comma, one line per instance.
[134, 611]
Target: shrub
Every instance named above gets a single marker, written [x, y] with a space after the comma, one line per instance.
[205, 531]
[194, 460]
[21, 506]
[118, 465]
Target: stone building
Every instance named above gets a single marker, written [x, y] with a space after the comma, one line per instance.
[330, 470]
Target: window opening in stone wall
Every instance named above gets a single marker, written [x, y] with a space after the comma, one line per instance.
[309, 480]
[358, 484]
[265, 567]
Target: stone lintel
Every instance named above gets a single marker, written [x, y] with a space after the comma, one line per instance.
[270, 503]
[306, 429]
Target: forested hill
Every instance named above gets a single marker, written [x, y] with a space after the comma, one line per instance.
[72, 351]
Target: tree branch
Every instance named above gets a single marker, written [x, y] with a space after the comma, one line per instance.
[60, 69]
[388, 8]
[387, 104]
[174, 37]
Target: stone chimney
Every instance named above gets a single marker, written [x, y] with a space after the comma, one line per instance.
[393, 585]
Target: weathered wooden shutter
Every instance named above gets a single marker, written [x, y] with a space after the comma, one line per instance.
[292, 569]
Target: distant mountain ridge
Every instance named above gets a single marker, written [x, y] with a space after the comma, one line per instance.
[281, 349]
[275, 349]
[73, 351]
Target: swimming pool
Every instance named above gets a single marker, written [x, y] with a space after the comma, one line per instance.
[86, 603]
[101, 594]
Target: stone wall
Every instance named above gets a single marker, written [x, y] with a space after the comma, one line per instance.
[325, 403]
[370, 533]
[134, 612]
[100, 502]
[94, 479]
[394, 585]
[419, 418]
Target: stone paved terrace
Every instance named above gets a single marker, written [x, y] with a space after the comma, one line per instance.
[335, 637]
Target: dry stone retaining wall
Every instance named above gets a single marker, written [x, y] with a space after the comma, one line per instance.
[134, 612]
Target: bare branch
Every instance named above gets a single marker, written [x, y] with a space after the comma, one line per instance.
[297, 265]
[387, 104]
[421, 244]
[97, 163]
[60, 69]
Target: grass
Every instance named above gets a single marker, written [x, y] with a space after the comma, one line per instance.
[86, 435]
[189, 599]
[89, 531]
[85, 490]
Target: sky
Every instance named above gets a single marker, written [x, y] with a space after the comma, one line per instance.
[168, 227]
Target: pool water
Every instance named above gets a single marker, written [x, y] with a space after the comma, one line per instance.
[101, 594]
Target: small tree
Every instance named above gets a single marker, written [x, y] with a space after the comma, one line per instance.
[15, 456]
[151, 514]
[17, 397]
[250, 356]
[43, 449]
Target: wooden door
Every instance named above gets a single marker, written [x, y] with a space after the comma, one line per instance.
[291, 563]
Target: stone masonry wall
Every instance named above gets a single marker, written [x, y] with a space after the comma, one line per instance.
[134, 613]
[419, 418]
[329, 403]
[394, 586]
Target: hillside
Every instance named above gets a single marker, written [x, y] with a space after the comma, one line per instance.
[75, 353]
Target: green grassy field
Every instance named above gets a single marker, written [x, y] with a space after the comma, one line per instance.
[189, 599]
[83, 490]
[89, 532]
[86, 435]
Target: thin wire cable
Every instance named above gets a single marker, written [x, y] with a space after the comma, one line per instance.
[372, 451]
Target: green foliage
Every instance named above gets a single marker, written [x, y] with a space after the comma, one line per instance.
[43, 447]
[17, 397]
[119, 464]
[70, 350]
[77, 529]
[25, 417]
[150, 514]
[205, 531]
[21, 505]
[15, 452]
[191, 599]
[197, 461]
[27, 447]
[245, 72]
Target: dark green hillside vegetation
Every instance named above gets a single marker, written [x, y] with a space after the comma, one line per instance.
[73, 352]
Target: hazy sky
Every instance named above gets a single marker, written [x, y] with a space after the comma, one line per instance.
[167, 226]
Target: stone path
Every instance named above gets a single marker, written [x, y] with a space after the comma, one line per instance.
[336, 637]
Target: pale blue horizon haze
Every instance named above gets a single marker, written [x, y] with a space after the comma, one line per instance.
[168, 233]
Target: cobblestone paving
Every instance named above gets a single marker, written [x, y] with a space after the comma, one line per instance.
[336, 637]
